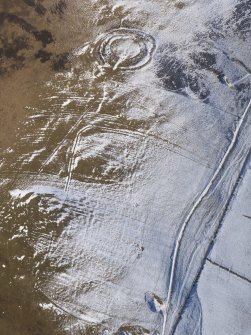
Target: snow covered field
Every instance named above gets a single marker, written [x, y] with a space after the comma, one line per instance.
[125, 197]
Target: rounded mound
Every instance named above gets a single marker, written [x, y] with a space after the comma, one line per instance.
[125, 49]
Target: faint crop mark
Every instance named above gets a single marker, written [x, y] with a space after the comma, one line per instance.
[73, 155]
[55, 151]
[76, 141]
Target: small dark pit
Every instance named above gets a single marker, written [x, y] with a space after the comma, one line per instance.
[43, 55]
[39, 8]
[180, 5]
[59, 8]
[60, 62]
[44, 36]
[204, 60]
